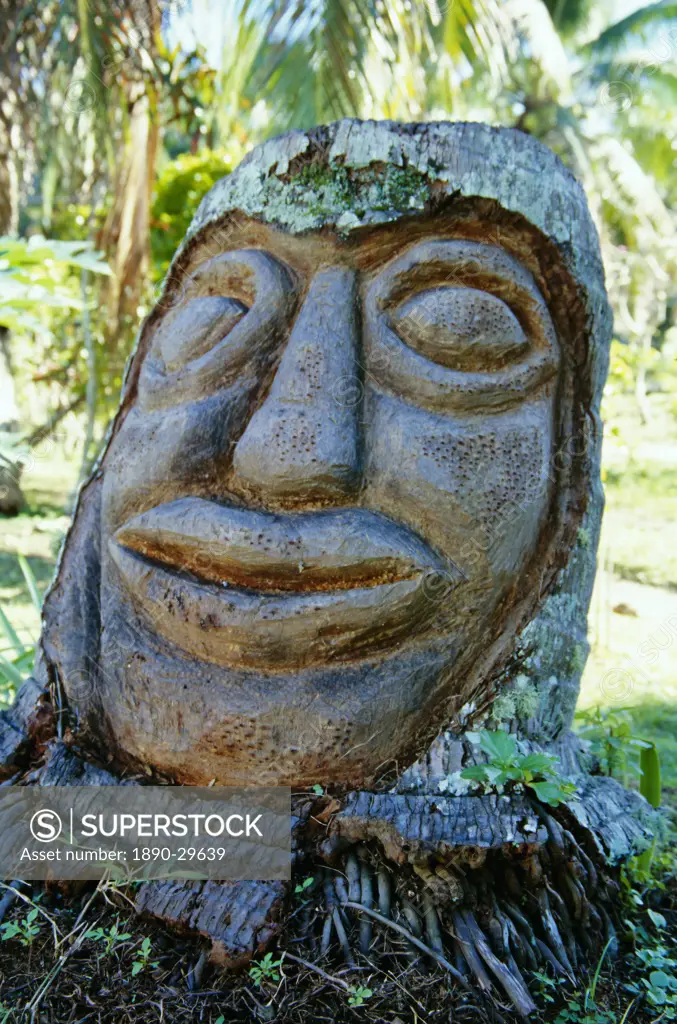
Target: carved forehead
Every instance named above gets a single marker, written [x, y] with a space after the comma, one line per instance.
[490, 235]
[352, 175]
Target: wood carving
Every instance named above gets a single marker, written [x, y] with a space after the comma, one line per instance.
[348, 510]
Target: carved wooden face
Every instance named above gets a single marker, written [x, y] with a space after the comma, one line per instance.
[327, 494]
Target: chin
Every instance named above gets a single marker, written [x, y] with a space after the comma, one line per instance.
[345, 724]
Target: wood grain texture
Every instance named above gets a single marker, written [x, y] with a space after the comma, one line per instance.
[240, 918]
[409, 827]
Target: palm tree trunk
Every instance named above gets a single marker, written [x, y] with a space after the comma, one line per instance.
[92, 380]
[11, 497]
[641, 396]
[131, 226]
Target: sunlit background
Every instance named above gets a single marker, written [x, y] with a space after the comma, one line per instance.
[116, 118]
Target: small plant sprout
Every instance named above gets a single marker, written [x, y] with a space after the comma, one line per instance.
[588, 1012]
[265, 970]
[24, 931]
[506, 766]
[318, 790]
[657, 919]
[111, 937]
[142, 958]
[575, 1013]
[304, 885]
[359, 995]
[547, 986]
[610, 734]
[659, 984]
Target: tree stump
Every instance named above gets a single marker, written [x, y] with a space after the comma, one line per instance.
[347, 516]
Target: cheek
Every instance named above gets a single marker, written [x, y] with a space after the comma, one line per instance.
[478, 491]
[157, 456]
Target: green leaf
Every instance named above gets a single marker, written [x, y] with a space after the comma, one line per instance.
[547, 792]
[30, 583]
[11, 634]
[642, 744]
[658, 919]
[659, 979]
[499, 745]
[658, 996]
[537, 763]
[11, 672]
[650, 781]
[476, 772]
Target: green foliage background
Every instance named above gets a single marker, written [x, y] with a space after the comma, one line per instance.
[178, 192]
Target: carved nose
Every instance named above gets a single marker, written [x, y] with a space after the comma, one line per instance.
[302, 444]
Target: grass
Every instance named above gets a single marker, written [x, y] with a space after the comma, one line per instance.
[633, 616]
[640, 481]
[36, 533]
[640, 525]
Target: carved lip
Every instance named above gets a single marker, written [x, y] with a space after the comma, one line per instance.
[234, 585]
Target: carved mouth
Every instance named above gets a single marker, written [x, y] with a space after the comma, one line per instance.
[239, 586]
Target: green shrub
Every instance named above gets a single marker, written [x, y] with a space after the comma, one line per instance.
[178, 192]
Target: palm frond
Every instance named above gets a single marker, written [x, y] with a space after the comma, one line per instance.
[245, 31]
[635, 25]
[568, 15]
[543, 44]
[477, 31]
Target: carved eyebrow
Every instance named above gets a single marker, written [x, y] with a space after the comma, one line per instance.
[472, 264]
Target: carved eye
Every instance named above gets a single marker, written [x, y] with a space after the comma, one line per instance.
[461, 328]
[196, 328]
